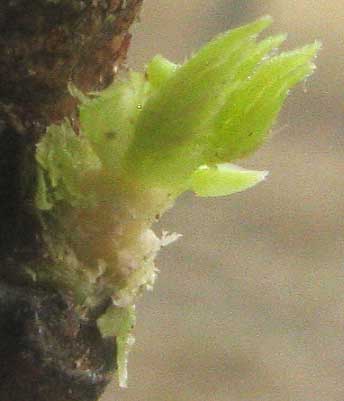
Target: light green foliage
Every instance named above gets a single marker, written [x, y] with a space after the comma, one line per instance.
[159, 70]
[217, 107]
[119, 322]
[158, 128]
[142, 142]
[109, 119]
[224, 179]
[65, 159]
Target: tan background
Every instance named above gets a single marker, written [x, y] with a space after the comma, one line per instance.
[249, 305]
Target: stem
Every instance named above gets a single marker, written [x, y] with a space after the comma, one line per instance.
[50, 349]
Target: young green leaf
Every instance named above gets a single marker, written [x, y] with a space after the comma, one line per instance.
[142, 142]
[119, 323]
[179, 111]
[216, 108]
[159, 70]
[64, 159]
[224, 179]
[248, 113]
[109, 119]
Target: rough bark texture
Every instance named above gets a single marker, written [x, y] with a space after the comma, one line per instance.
[47, 351]
[47, 43]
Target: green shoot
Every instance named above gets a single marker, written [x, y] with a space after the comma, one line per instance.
[142, 142]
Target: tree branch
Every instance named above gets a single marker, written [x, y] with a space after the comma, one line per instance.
[49, 351]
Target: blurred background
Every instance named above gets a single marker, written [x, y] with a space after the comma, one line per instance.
[249, 304]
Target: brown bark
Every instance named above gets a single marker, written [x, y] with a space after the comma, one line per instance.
[47, 351]
[47, 43]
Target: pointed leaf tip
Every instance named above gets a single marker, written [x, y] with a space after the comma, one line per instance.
[217, 107]
[224, 179]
